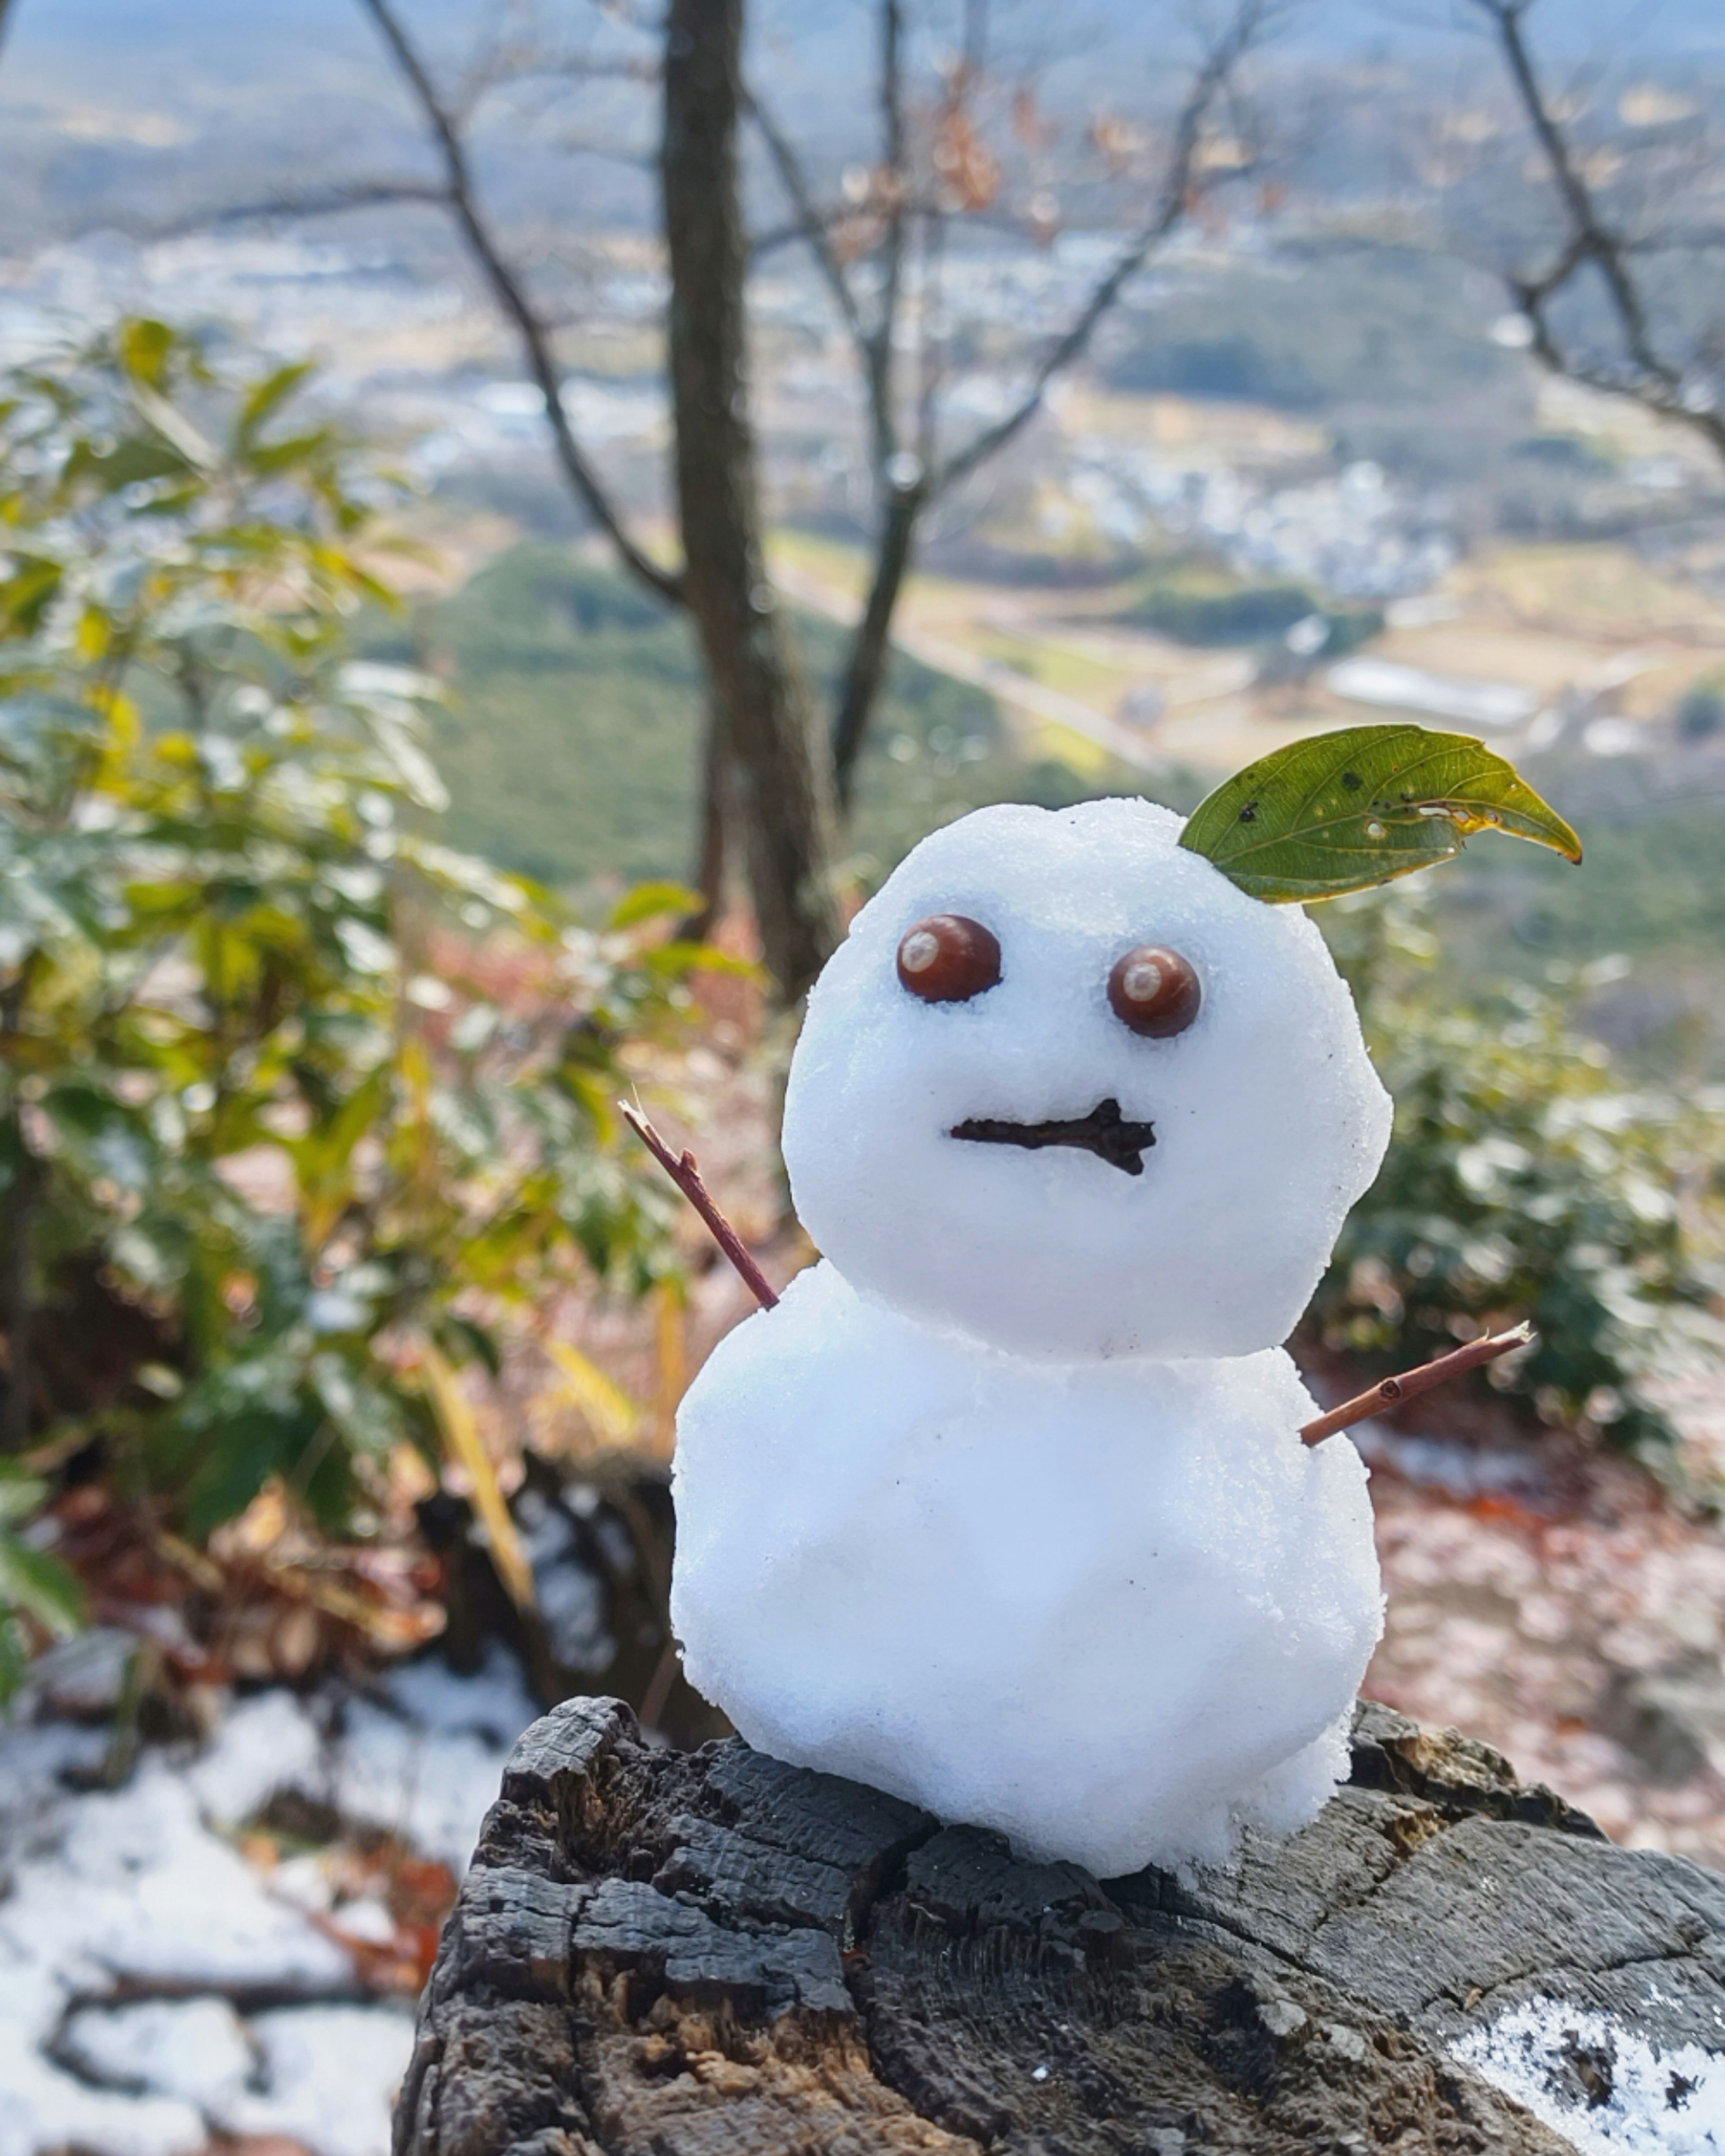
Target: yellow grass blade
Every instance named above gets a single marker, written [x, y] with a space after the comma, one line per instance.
[460, 1431]
[606, 1409]
[673, 1362]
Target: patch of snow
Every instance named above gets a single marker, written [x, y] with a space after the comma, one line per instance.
[331, 2075]
[432, 1787]
[142, 1885]
[264, 1744]
[141, 1888]
[195, 2050]
[41, 2108]
[1668, 2102]
[495, 1703]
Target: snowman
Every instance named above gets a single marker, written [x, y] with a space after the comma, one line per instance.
[1004, 1507]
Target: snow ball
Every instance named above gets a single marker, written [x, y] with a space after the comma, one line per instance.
[1113, 1609]
[1269, 1121]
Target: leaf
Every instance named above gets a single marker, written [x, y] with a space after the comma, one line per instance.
[41, 1586]
[1344, 811]
[266, 397]
[144, 345]
[648, 901]
[460, 1431]
[604, 1405]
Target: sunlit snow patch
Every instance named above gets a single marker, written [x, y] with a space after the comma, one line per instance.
[1604, 2087]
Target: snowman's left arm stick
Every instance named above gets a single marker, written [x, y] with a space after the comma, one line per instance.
[1412, 1382]
[686, 1176]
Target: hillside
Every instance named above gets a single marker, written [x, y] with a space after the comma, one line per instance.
[571, 742]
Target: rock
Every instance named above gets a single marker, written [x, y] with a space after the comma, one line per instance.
[658, 1953]
[1671, 1719]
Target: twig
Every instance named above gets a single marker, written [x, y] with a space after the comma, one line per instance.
[1412, 1382]
[686, 1176]
[509, 292]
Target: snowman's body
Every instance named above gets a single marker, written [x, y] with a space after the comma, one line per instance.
[1004, 1508]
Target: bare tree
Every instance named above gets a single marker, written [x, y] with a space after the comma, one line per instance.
[761, 717]
[769, 780]
[1599, 307]
[918, 190]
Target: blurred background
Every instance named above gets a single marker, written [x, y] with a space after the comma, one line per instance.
[513, 517]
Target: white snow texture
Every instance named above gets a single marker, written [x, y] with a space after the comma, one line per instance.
[964, 1518]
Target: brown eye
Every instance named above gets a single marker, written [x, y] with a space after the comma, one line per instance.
[948, 959]
[1154, 991]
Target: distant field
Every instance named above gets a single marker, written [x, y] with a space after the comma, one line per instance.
[571, 745]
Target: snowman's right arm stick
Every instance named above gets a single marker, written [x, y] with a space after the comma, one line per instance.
[1412, 1382]
[686, 1176]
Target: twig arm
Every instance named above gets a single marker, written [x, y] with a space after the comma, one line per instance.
[1412, 1382]
[684, 1172]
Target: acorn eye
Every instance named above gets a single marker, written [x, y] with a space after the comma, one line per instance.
[948, 959]
[1154, 991]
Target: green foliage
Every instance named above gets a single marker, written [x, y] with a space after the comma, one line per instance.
[1700, 712]
[36, 1590]
[570, 740]
[304, 1090]
[1211, 608]
[1524, 1179]
[1344, 811]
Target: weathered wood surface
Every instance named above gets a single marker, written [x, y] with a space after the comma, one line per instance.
[661, 1953]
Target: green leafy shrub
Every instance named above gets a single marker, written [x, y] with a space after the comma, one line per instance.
[293, 1099]
[37, 1593]
[1524, 1179]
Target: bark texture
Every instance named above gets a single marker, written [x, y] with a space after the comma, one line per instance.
[778, 791]
[661, 1953]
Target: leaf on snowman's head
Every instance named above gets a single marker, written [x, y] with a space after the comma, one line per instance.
[1341, 812]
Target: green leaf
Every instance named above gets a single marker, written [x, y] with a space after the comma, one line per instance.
[265, 398]
[144, 348]
[1344, 811]
[41, 1586]
[647, 902]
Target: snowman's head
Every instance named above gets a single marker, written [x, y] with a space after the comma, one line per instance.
[1067, 1088]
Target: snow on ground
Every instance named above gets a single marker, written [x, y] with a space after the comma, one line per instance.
[156, 1987]
[1594, 2080]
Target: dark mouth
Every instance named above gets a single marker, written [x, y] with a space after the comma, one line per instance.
[1104, 1132]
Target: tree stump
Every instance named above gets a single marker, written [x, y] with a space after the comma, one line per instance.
[708, 1954]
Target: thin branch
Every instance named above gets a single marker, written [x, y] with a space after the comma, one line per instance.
[511, 297]
[813, 224]
[1412, 1382]
[1224, 56]
[317, 201]
[682, 1170]
[1591, 240]
[895, 160]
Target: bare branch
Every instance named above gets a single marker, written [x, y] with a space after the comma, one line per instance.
[1412, 1382]
[317, 201]
[511, 297]
[813, 224]
[1243, 31]
[684, 1170]
[1591, 241]
[895, 161]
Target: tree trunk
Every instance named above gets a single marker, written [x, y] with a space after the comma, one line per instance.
[779, 793]
[662, 1953]
[714, 814]
[867, 666]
